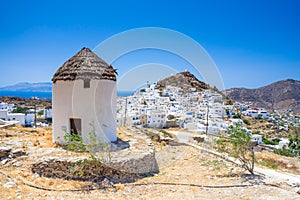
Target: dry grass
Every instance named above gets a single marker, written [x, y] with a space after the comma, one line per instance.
[282, 163]
[181, 165]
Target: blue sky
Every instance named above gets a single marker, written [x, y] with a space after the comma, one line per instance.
[253, 43]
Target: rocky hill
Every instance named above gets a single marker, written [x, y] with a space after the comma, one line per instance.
[281, 95]
[184, 80]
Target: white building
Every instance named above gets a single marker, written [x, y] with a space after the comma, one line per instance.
[156, 119]
[236, 122]
[6, 106]
[48, 112]
[264, 114]
[252, 113]
[29, 119]
[13, 117]
[84, 98]
[283, 143]
[258, 138]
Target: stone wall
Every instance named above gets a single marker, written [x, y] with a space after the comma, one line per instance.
[80, 169]
[124, 165]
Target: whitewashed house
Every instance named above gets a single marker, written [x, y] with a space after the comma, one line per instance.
[236, 122]
[134, 119]
[252, 113]
[48, 112]
[283, 143]
[264, 114]
[12, 117]
[201, 127]
[192, 126]
[29, 118]
[258, 138]
[84, 98]
[217, 97]
[156, 119]
[6, 106]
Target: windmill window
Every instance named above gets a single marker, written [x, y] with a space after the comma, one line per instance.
[86, 83]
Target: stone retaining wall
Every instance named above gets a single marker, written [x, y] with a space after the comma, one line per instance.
[124, 166]
[80, 169]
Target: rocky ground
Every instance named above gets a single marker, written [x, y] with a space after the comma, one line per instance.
[185, 173]
[26, 101]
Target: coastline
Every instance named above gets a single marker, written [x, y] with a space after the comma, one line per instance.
[46, 95]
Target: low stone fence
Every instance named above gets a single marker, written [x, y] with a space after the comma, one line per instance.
[80, 169]
[125, 165]
[8, 152]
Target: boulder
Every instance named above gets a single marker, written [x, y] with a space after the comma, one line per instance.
[4, 151]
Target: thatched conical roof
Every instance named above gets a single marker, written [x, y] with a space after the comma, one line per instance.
[85, 65]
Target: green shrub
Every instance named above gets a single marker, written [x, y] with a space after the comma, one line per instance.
[266, 141]
[74, 142]
[166, 134]
[293, 149]
[269, 164]
[19, 109]
[98, 150]
[229, 102]
[247, 122]
[285, 152]
[237, 116]
[41, 112]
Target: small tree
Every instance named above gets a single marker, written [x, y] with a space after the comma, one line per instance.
[260, 116]
[227, 112]
[247, 122]
[19, 109]
[237, 116]
[41, 112]
[239, 146]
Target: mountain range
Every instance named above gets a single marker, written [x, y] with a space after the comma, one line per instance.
[282, 95]
[29, 87]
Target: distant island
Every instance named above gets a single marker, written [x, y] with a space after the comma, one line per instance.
[40, 90]
[29, 87]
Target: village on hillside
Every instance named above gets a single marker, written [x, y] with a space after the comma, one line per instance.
[90, 139]
[204, 112]
[150, 100]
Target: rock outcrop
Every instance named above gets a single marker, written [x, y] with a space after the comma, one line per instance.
[184, 80]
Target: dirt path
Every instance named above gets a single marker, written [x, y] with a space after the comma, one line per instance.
[185, 173]
[272, 175]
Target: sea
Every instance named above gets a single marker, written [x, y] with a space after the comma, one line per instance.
[47, 95]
